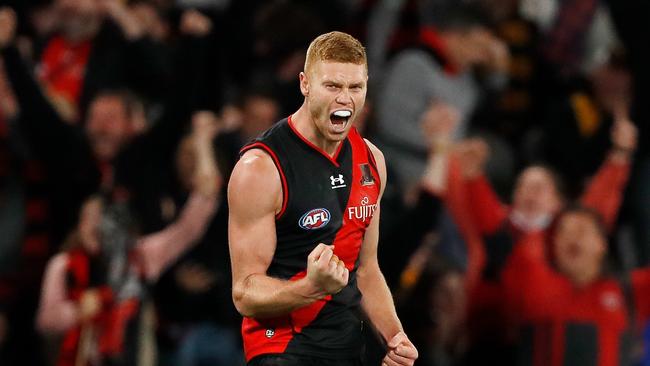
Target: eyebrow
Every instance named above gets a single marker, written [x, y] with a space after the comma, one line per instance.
[339, 84]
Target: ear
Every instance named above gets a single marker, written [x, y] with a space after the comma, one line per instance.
[304, 84]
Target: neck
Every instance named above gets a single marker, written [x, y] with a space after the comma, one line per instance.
[585, 278]
[305, 125]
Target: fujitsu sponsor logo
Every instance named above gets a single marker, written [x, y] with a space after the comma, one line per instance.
[363, 212]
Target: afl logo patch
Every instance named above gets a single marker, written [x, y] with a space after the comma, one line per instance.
[315, 219]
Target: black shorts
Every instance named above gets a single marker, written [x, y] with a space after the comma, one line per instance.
[294, 360]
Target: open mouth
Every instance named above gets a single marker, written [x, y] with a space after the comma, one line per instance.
[340, 118]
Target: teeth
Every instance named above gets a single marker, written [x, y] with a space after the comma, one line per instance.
[342, 114]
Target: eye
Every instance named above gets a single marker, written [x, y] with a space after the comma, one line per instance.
[331, 86]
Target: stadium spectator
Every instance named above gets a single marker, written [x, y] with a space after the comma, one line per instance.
[95, 291]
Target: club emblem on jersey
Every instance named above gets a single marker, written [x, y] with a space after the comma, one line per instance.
[315, 219]
[337, 182]
[366, 176]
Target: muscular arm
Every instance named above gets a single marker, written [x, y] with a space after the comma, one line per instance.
[254, 197]
[377, 301]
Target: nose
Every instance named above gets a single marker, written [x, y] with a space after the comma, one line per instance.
[344, 97]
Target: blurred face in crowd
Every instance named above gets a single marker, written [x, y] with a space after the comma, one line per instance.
[536, 198]
[468, 47]
[335, 93]
[499, 10]
[89, 221]
[259, 113]
[78, 18]
[108, 126]
[579, 247]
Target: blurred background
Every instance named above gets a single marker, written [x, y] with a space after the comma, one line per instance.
[500, 120]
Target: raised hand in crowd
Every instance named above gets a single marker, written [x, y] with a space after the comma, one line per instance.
[495, 54]
[438, 124]
[473, 154]
[120, 13]
[193, 23]
[624, 135]
[90, 304]
[150, 20]
[7, 27]
[207, 179]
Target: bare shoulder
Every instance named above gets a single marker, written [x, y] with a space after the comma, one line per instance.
[378, 155]
[380, 160]
[255, 182]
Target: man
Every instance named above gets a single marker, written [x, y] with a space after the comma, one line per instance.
[436, 69]
[85, 292]
[304, 219]
[573, 312]
[98, 45]
[537, 195]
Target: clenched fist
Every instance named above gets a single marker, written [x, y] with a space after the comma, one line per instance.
[325, 270]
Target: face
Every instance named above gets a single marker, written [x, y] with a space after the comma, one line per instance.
[579, 248]
[108, 126]
[77, 16]
[335, 93]
[535, 194]
[467, 47]
[89, 221]
[77, 8]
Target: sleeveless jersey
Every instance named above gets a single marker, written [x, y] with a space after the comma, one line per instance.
[328, 200]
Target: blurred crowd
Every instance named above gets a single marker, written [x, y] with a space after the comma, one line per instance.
[516, 218]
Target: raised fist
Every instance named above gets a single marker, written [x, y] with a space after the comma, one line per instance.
[439, 122]
[325, 270]
[7, 26]
[472, 155]
[205, 124]
[90, 305]
[195, 24]
[624, 135]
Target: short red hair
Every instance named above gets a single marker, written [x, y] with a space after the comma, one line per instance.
[336, 47]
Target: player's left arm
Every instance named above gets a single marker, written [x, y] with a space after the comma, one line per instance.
[377, 301]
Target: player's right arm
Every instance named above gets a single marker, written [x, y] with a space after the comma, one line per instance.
[254, 198]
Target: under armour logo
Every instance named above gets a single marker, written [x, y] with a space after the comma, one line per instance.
[337, 182]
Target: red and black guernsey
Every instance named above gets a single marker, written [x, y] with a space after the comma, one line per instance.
[327, 200]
